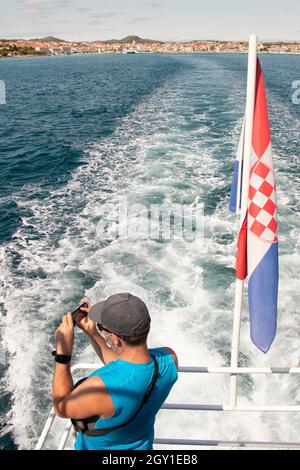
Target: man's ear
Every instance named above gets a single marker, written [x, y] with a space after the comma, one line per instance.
[117, 341]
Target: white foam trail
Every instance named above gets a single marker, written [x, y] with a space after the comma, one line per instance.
[172, 149]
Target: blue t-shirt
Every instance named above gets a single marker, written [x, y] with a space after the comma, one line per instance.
[127, 384]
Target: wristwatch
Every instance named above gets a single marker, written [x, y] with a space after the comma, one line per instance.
[61, 358]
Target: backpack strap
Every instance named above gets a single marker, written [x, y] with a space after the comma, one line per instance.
[102, 432]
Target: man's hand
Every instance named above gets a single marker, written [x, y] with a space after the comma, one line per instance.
[84, 322]
[87, 325]
[64, 336]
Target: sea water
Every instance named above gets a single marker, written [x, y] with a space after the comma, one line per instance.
[78, 134]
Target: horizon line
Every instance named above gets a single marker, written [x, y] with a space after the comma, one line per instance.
[145, 39]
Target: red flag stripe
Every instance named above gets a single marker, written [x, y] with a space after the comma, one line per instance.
[241, 259]
[261, 132]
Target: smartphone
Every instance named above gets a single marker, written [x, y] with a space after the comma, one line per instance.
[74, 313]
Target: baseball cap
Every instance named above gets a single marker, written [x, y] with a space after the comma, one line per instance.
[121, 314]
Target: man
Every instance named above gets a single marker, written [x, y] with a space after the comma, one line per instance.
[123, 397]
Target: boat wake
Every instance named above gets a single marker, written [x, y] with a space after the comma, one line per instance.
[176, 146]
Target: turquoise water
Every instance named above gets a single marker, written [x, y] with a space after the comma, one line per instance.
[77, 133]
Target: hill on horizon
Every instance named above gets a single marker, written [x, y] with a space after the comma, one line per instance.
[137, 39]
[45, 39]
[49, 39]
[127, 39]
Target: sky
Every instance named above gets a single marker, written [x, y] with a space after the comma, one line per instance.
[167, 20]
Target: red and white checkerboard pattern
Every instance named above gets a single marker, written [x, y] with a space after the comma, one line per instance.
[262, 203]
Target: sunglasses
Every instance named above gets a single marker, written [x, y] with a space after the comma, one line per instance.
[102, 328]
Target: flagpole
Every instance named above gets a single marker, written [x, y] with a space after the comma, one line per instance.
[242, 203]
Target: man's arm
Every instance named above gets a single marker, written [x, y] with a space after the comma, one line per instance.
[89, 398]
[97, 347]
[62, 379]
[62, 384]
[173, 354]
[105, 353]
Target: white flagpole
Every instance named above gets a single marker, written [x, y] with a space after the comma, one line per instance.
[243, 203]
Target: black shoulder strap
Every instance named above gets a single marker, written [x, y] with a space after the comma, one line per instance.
[101, 432]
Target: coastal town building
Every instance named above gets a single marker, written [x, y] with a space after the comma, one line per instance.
[134, 44]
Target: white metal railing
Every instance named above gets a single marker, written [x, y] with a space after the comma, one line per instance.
[231, 371]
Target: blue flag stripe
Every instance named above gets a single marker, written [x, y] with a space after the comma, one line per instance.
[234, 188]
[262, 294]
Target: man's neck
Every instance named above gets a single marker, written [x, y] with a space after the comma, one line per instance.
[138, 355]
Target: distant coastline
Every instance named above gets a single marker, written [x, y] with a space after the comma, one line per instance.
[41, 56]
[51, 46]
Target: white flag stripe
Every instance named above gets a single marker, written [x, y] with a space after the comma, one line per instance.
[259, 245]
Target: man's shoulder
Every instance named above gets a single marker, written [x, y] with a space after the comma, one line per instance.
[165, 352]
[105, 369]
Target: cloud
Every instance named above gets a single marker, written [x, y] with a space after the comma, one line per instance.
[41, 8]
[109, 14]
[94, 22]
[98, 18]
[34, 12]
[34, 6]
[137, 20]
[37, 3]
[105, 30]
[83, 9]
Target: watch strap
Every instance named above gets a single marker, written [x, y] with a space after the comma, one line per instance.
[61, 358]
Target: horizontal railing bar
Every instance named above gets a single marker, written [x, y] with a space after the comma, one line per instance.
[216, 443]
[216, 370]
[204, 407]
[171, 406]
[193, 407]
[181, 406]
[241, 370]
[219, 443]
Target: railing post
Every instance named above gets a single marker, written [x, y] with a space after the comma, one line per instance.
[46, 430]
[243, 204]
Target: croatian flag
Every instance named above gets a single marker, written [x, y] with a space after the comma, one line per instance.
[257, 255]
